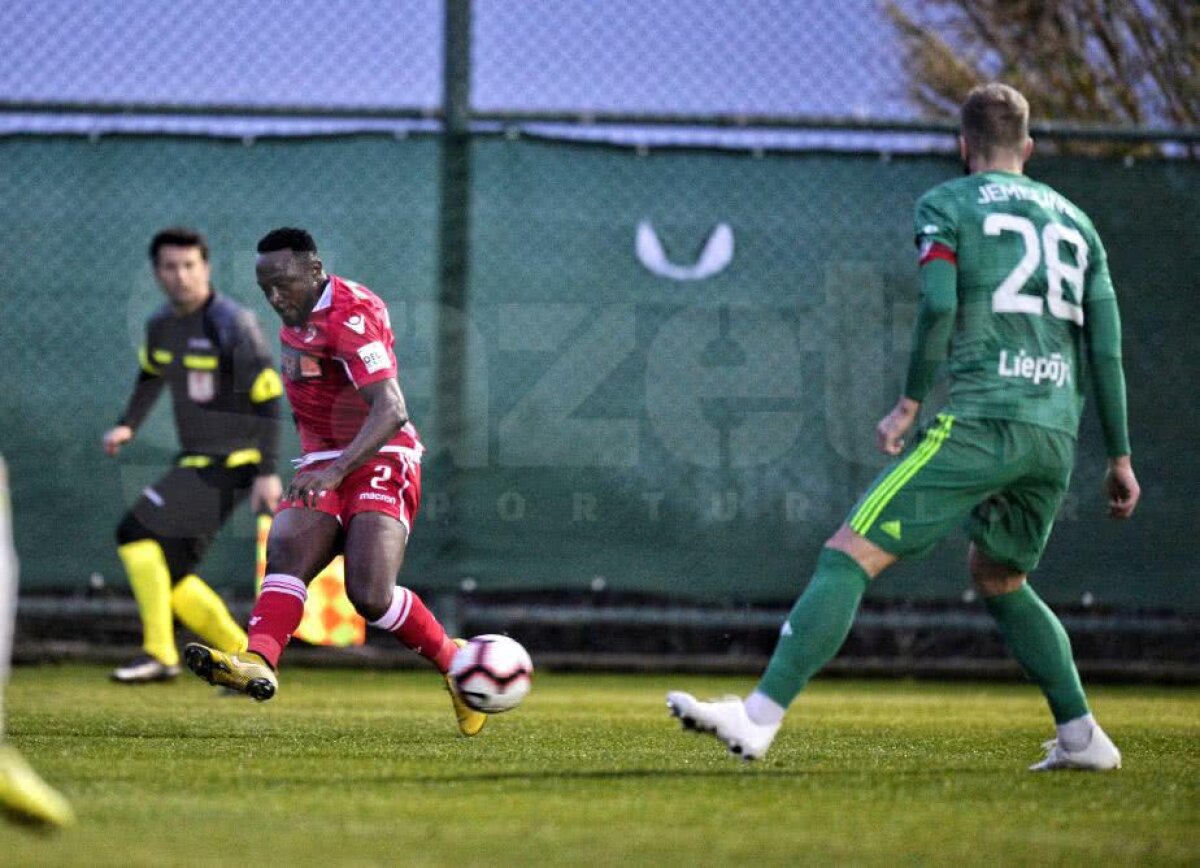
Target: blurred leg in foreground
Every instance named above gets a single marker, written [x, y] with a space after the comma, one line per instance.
[24, 796]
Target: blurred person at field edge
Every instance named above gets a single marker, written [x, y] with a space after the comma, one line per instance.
[225, 392]
[24, 796]
[1015, 299]
[357, 486]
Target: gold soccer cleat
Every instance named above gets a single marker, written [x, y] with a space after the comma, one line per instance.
[26, 797]
[470, 721]
[244, 671]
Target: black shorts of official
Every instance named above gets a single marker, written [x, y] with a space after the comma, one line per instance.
[183, 511]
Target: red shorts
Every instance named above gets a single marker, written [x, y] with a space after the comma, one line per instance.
[388, 483]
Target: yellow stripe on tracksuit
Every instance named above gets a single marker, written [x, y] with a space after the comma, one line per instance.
[242, 457]
[866, 515]
[144, 362]
[200, 363]
[234, 459]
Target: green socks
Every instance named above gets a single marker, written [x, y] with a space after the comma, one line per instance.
[821, 619]
[1036, 638]
[816, 627]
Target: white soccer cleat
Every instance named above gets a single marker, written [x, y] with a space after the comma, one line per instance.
[727, 720]
[1100, 755]
[145, 669]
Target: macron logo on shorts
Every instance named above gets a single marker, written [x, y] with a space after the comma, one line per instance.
[374, 495]
[374, 356]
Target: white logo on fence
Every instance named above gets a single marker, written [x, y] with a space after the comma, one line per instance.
[714, 258]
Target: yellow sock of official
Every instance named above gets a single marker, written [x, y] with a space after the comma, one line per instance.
[203, 612]
[146, 567]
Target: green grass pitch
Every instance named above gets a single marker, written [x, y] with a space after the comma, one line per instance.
[366, 768]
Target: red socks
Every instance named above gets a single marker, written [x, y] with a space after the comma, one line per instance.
[280, 608]
[412, 623]
[276, 616]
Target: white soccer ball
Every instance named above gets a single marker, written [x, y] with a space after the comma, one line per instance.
[492, 673]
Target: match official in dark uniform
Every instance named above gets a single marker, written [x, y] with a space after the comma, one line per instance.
[225, 392]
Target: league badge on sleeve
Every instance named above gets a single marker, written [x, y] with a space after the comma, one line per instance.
[374, 356]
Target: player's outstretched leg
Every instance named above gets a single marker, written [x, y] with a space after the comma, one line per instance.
[25, 797]
[814, 631]
[410, 621]
[245, 672]
[375, 544]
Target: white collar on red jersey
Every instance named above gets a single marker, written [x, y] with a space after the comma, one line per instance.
[326, 298]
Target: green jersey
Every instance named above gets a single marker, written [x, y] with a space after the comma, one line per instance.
[1028, 263]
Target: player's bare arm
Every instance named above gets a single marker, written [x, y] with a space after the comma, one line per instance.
[388, 414]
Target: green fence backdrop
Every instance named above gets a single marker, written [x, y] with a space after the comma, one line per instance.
[673, 361]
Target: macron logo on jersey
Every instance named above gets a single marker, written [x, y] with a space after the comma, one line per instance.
[357, 324]
[374, 356]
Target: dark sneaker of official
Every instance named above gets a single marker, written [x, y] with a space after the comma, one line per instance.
[145, 669]
[245, 671]
[726, 720]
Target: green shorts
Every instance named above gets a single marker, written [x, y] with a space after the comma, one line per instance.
[1005, 480]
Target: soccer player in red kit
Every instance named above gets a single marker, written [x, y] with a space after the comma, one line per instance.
[358, 483]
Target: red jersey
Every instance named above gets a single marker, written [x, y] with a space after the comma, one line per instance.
[345, 344]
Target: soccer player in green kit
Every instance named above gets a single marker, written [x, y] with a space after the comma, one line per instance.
[1015, 295]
